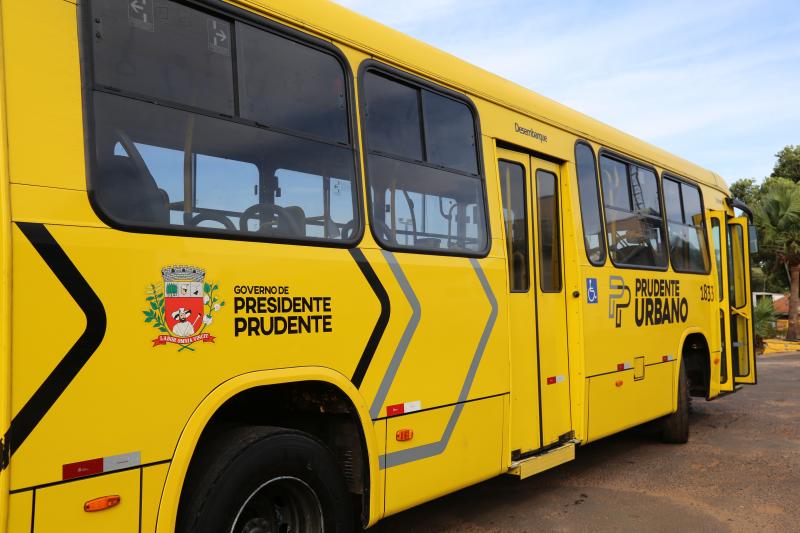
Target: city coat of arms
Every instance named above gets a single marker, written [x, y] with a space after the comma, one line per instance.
[183, 307]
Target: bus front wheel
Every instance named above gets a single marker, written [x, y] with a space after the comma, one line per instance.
[675, 427]
[264, 480]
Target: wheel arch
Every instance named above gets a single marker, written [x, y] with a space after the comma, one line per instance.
[227, 391]
[695, 353]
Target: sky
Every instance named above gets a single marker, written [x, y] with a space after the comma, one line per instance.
[716, 82]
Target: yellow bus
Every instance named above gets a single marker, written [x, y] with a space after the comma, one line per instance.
[270, 266]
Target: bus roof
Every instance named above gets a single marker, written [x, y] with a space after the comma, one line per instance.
[343, 25]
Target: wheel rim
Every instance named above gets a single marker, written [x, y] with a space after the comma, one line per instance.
[281, 505]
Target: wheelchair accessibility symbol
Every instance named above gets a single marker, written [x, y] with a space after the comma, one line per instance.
[591, 290]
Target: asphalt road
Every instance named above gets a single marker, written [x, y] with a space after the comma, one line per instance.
[739, 472]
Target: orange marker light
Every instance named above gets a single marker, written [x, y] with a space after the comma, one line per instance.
[619, 383]
[404, 435]
[716, 360]
[101, 504]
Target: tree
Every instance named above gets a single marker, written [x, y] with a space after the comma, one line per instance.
[788, 165]
[746, 190]
[778, 216]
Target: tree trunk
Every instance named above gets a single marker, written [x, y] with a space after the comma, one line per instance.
[794, 301]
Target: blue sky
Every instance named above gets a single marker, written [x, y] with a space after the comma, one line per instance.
[716, 82]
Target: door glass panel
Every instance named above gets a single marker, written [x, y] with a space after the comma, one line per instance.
[741, 345]
[736, 266]
[716, 236]
[512, 184]
[549, 231]
[723, 378]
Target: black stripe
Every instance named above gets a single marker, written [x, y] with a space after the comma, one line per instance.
[383, 319]
[59, 379]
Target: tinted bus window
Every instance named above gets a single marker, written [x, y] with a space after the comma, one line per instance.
[425, 190]
[549, 231]
[166, 51]
[633, 214]
[394, 124]
[515, 216]
[717, 238]
[593, 238]
[285, 84]
[443, 116]
[686, 225]
[164, 166]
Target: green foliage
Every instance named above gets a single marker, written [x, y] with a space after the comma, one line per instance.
[788, 165]
[764, 319]
[777, 216]
[746, 190]
[155, 314]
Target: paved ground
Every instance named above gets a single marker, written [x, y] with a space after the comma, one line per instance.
[739, 472]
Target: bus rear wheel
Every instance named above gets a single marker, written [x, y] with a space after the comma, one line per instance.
[675, 427]
[266, 480]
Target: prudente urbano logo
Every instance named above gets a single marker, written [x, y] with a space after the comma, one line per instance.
[183, 307]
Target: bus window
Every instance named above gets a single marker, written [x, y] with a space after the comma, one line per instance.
[717, 238]
[425, 208]
[393, 118]
[443, 116]
[686, 226]
[549, 231]
[169, 58]
[633, 214]
[515, 216]
[193, 169]
[593, 239]
[287, 85]
[426, 192]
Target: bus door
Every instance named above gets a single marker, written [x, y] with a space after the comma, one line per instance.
[741, 302]
[537, 307]
[722, 378]
[551, 319]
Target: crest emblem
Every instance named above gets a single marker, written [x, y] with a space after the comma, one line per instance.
[182, 307]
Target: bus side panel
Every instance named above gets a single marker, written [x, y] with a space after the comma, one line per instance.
[472, 452]
[5, 280]
[61, 507]
[152, 485]
[618, 401]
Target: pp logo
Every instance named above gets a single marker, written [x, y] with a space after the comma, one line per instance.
[592, 296]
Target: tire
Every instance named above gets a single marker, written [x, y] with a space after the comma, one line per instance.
[675, 427]
[264, 479]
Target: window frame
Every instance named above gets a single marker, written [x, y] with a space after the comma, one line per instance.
[235, 15]
[685, 181]
[526, 200]
[600, 203]
[373, 65]
[558, 220]
[611, 154]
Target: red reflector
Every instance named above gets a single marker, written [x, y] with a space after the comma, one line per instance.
[404, 435]
[101, 504]
[621, 366]
[619, 383]
[665, 358]
[551, 381]
[82, 469]
[394, 410]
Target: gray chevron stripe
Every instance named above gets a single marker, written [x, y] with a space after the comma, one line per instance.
[405, 340]
[435, 448]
